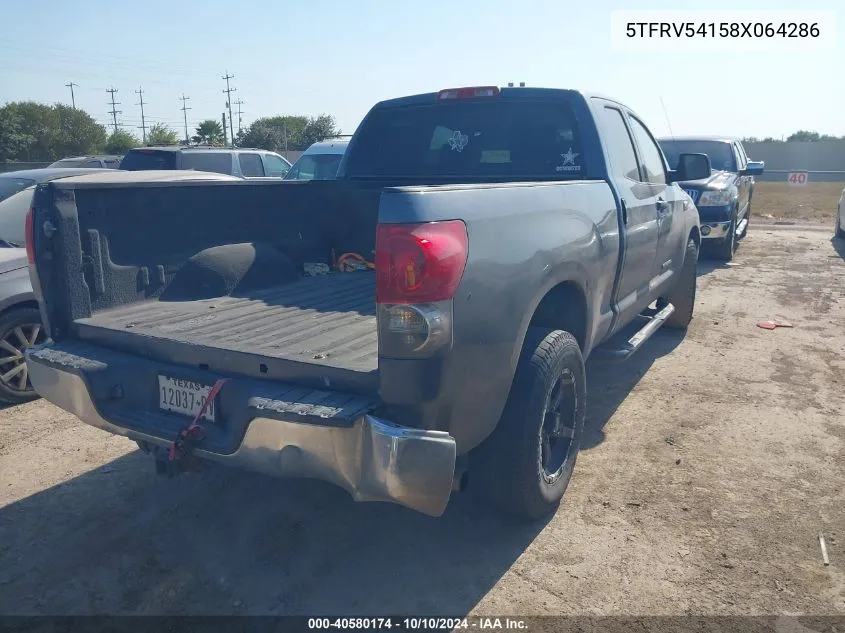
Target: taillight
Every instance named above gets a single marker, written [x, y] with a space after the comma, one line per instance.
[29, 236]
[419, 263]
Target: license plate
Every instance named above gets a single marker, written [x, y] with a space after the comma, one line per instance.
[185, 397]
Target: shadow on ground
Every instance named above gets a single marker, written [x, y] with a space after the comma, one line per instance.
[119, 539]
[610, 383]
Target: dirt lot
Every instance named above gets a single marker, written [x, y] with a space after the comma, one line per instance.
[712, 461]
[814, 203]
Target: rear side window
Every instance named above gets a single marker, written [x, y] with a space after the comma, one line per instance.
[143, 159]
[10, 186]
[620, 148]
[219, 162]
[251, 166]
[498, 138]
[650, 153]
[275, 166]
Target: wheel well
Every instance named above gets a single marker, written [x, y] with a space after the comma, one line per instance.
[30, 303]
[563, 308]
[696, 236]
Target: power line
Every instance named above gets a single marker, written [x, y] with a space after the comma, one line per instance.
[185, 109]
[140, 91]
[228, 92]
[113, 111]
[72, 99]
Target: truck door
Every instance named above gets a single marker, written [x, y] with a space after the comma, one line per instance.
[638, 214]
[668, 205]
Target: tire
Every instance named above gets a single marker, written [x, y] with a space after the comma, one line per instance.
[727, 247]
[524, 467]
[683, 294]
[19, 328]
[838, 232]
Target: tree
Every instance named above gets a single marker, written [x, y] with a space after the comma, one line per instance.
[37, 132]
[120, 142]
[318, 129]
[802, 135]
[209, 132]
[283, 133]
[160, 134]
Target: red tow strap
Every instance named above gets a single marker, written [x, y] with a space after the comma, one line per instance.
[191, 435]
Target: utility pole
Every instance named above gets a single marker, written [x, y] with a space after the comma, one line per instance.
[113, 112]
[229, 92]
[72, 99]
[185, 109]
[140, 92]
[239, 103]
[225, 141]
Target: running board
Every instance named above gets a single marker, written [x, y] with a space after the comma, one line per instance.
[636, 341]
[741, 226]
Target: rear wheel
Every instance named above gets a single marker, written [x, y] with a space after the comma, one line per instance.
[525, 466]
[683, 294]
[839, 232]
[19, 329]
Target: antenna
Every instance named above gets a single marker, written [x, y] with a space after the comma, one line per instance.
[666, 114]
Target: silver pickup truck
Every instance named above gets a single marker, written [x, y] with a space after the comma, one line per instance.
[416, 326]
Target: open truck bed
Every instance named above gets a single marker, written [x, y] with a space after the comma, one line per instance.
[326, 320]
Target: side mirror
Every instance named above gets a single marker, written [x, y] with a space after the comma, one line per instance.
[691, 167]
[754, 168]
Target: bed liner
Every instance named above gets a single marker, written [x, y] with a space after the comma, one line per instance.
[327, 320]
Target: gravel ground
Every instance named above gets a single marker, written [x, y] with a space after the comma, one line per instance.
[712, 462]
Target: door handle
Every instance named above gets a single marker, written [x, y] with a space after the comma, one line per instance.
[662, 206]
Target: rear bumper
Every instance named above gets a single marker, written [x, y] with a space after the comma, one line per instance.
[373, 459]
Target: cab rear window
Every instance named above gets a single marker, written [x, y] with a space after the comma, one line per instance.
[143, 159]
[475, 138]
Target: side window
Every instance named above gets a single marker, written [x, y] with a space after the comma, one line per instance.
[112, 164]
[251, 166]
[93, 163]
[623, 160]
[275, 166]
[650, 153]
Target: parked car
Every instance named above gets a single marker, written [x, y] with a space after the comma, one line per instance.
[724, 197]
[105, 162]
[840, 217]
[20, 321]
[320, 161]
[241, 162]
[539, 224]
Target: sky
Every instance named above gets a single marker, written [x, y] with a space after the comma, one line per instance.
[339, 57]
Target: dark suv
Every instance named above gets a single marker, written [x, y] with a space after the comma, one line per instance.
[242, 162]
